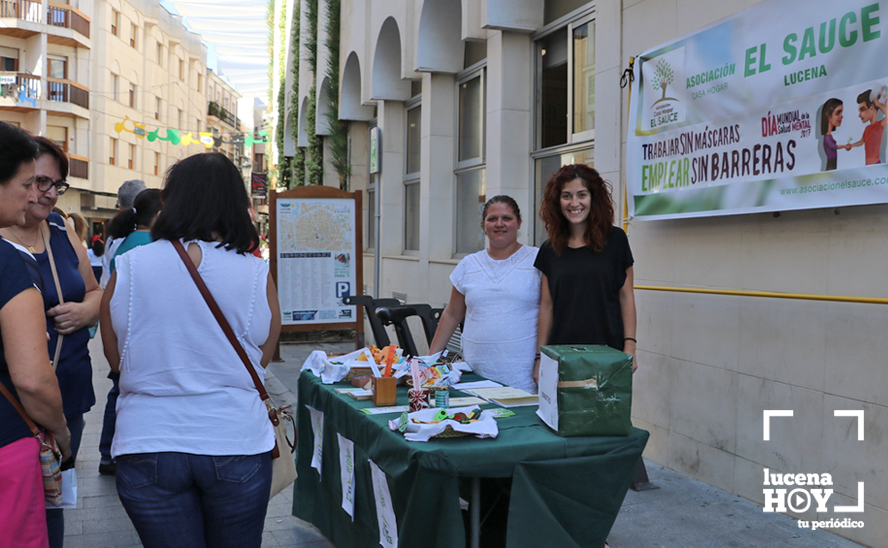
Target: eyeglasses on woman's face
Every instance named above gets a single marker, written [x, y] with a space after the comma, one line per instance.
[45, 183]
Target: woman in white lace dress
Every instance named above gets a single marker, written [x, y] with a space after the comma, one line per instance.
[497, 292]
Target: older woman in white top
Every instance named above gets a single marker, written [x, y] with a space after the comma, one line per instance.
[193, 440]
[497, 292]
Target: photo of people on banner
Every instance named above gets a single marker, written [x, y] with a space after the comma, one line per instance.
[872, 106]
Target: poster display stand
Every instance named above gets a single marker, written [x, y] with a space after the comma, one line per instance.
[315, 238]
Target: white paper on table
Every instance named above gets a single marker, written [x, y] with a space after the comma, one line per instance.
[383, 410]
[484, 427]
[347, 474]
[385, 513]
[475, 385]
[69, 490]
[317, 426]
[548, 410]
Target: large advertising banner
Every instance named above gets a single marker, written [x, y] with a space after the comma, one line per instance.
[316, 260]
[779, 107]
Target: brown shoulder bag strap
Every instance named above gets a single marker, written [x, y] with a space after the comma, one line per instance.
[223, 323]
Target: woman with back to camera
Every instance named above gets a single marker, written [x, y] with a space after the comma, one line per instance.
[24, 360]
[67, 322]
[497, 292]
[193, 441]
[587, 294]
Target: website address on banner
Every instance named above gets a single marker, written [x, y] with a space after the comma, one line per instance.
[824, 187]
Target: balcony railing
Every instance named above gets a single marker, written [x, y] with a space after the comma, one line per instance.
[24, 90]
[21, 9]
[66, 91]
[60, 15]
[57, 15]
[78, 166]
[223, 114]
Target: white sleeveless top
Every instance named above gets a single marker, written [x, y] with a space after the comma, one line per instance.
[182, 386]
[499, 339]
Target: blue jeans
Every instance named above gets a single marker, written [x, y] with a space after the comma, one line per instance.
[110, 419]
[190, 501]
[55, 518]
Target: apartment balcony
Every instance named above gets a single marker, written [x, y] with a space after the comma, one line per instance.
[19, 92]
[66, 91]
[25, 92]
[63, 16]
[222, 114]
[63, 24]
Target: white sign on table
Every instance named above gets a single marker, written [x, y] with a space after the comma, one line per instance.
[347, 474]
[317, 426]
[385, 513]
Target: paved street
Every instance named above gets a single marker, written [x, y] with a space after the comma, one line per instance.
[683, 513]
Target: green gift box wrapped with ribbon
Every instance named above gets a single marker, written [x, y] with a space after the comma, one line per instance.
[585, 390]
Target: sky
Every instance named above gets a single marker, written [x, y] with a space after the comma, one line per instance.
[236, 34]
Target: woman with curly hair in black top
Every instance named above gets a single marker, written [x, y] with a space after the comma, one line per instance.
[587, 294]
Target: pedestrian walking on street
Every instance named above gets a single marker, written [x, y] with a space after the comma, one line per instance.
[193, 441]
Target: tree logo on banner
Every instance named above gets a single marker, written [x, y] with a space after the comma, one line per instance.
[663, 97]
[663, 76]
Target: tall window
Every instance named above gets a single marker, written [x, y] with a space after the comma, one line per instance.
[131, 160]
[180, 120]
[181, 69]
[160, 53]
[133, 30]
[411, 175]
[157, 163]
[132, 95]
[112, 152]
[565, 117]
[199, 80]
[115, 21]
[471, 187]
[157, 108]
[566, 73]
[58, 67]
[115, 85]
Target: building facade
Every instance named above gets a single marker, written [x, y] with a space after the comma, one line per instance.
[467, 99]
[119, 84]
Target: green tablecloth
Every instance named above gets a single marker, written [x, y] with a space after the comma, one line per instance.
[565, 491]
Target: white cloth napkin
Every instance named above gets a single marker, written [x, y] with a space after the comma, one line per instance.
[484, 427]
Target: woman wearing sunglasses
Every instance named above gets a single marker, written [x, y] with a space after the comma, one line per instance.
[67, 319]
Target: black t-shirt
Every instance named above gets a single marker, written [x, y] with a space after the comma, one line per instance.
[585, 288]
[14, 279]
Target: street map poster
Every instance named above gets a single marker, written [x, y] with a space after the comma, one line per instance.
[779, 107]
[316, 260]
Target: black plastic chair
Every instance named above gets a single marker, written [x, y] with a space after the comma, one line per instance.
[397, 317]
[380, 336]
